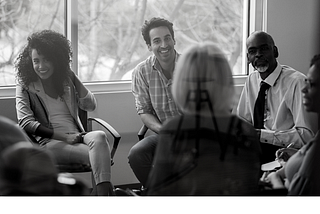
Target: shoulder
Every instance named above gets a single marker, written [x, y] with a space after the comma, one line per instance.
[144, 66]
[290, 75]
[253, 80]
[254, 76]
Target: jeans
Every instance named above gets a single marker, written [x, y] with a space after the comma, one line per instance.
[141, 157]
[94, 151]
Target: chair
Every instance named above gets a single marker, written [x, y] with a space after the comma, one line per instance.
[142, 132]
[87, 123]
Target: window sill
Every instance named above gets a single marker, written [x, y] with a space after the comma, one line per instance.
[104, 87]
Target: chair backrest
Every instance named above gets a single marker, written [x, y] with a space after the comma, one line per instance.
[83, 115]
[142, 132]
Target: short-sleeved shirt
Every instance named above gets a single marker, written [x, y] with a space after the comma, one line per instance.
[152, 90]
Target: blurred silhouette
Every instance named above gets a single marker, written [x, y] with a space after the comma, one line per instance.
[10, 133]
[207, 150]
[27, 170]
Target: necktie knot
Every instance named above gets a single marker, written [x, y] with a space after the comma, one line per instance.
[264, 86]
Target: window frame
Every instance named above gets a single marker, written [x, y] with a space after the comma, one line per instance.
[254, 18]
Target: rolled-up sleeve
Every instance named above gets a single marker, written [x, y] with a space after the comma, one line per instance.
[140, 91]
[88, 103]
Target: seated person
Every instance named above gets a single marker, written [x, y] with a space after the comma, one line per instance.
[300, 174]
[48, 96]
[207, 150]
[271, 99]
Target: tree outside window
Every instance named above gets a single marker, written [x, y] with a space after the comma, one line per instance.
[109, 42]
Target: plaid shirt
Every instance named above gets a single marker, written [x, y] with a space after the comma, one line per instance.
[152, 90]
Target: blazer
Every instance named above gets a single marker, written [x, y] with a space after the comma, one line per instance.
[32, 111]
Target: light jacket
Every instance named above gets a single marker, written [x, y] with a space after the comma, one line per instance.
[32, 111]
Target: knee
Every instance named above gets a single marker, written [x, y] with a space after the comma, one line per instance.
[100, 136]
[134, 153]
[97, 139]
[140, 152]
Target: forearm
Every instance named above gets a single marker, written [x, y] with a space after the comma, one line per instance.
[152, 122]
[297, 136]
[43, 131]
[81, 89]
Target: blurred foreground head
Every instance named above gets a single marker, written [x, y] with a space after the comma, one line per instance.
[10, 133]
[203, 67]
[27, 170]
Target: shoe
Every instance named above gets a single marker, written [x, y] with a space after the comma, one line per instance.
[120, 192]
[140, 192]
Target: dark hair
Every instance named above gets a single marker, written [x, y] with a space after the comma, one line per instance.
[55, 48]
[315, 60]
[153, 23]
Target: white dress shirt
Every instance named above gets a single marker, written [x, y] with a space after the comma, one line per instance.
[286, 120]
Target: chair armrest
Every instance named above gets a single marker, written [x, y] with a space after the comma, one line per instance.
[110, 129]
[143, 130]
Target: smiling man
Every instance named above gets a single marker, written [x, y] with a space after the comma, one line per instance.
[283, 119]
[151, 87]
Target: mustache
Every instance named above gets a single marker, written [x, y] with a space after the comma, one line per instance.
[254, 62]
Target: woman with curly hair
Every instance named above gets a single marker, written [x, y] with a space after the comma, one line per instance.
[48, 95]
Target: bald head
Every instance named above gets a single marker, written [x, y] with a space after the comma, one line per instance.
[262, 36]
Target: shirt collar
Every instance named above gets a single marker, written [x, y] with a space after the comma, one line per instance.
[271, 79]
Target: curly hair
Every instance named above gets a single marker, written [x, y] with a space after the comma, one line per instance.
[315, 60]
[56, 48]
[154, 23]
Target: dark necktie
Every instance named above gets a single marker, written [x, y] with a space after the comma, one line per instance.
[258, 115]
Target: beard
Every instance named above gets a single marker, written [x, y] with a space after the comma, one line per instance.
[262, 67]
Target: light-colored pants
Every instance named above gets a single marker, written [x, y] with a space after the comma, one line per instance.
[94, 151]
[141, 157]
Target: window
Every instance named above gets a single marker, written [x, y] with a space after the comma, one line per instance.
[18, 19]
[106, 36]
[110, 44]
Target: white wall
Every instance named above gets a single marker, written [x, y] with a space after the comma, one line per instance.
[294, 25]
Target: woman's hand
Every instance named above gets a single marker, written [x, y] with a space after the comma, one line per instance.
[73, 138]
[275, 178]
[68, 138]
[283, 155]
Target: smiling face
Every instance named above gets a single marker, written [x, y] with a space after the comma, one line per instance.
[311, 91]
[162, 44]
[43, 68]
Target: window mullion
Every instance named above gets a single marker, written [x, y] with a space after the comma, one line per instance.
[71, 30]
